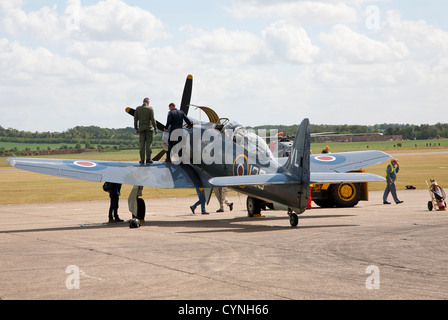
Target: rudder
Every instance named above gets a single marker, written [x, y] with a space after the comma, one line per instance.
[298, 163]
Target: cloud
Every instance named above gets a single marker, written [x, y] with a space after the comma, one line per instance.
[108, 20]
[44, 23]
[353, 47]
[114, 20]
[299, 12]
[289, 43]
[283, 61]
[25, 66]
[221, 46]
[279, 42]
[426, 41]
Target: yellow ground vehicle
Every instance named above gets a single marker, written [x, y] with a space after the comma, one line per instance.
[340, 195]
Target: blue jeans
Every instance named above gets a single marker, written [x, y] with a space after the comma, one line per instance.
[201, 200]
[390, 188]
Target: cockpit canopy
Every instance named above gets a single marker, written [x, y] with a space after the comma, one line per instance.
[245, 138]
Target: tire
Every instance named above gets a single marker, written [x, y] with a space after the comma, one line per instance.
[253, 206]
[324, 203]
[345, 195]
[141, 209]
[430, 205]
[293, 219]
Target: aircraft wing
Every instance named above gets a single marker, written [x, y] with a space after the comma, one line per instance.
[346, 161]
[282, 179]
[159, 174]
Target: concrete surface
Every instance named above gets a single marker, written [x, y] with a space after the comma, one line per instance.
[372, 251]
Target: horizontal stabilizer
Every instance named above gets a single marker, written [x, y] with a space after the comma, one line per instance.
[261, 179]
[330, 177]
[282, 179]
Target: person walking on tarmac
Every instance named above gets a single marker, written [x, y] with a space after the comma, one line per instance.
[391, 175]
[174, 121]
[201, 194]
[144, 124]
[221, 195]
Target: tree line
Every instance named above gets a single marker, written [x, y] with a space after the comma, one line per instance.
[407, 131]
[89, 136]
[126, 138]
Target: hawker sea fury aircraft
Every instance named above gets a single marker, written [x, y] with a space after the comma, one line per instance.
[223, 153]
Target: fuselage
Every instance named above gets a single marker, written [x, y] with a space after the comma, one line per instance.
[230, 149]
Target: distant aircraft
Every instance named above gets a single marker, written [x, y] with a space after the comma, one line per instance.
[223, 153]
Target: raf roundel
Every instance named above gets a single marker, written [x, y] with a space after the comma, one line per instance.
[328, 159]
[325, 158]
[85, 164]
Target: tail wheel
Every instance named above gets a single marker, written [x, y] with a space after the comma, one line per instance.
[345, 194]
[293, 219]
[253, 206]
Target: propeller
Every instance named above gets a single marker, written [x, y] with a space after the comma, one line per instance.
[186, 96]
[131, 111]
[184, 106]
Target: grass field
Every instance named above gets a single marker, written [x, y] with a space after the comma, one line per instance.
[34, 146]
[19, 186]
[316, 147]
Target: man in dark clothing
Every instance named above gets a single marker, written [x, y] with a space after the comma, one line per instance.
[174, 121]
[144, 124]
[114, 194]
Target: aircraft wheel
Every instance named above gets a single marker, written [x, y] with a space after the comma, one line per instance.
[345, 194]
[293, 219]
[253, 206]
[430, 205]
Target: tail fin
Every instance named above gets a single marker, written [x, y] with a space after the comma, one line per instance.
[298, 164]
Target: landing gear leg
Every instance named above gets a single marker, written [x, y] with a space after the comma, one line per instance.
[293, 218]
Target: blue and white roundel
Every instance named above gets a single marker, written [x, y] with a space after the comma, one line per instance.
[327, 159]
[84, 165]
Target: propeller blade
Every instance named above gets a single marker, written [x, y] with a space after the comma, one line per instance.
[186, 96]
[160, 126]
[159, 155]
[131, 111]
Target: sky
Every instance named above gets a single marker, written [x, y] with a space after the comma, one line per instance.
[82, 62]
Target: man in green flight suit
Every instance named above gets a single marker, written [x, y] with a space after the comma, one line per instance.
[144, 123]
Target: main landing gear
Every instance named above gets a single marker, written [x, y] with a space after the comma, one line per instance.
[254, 207]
